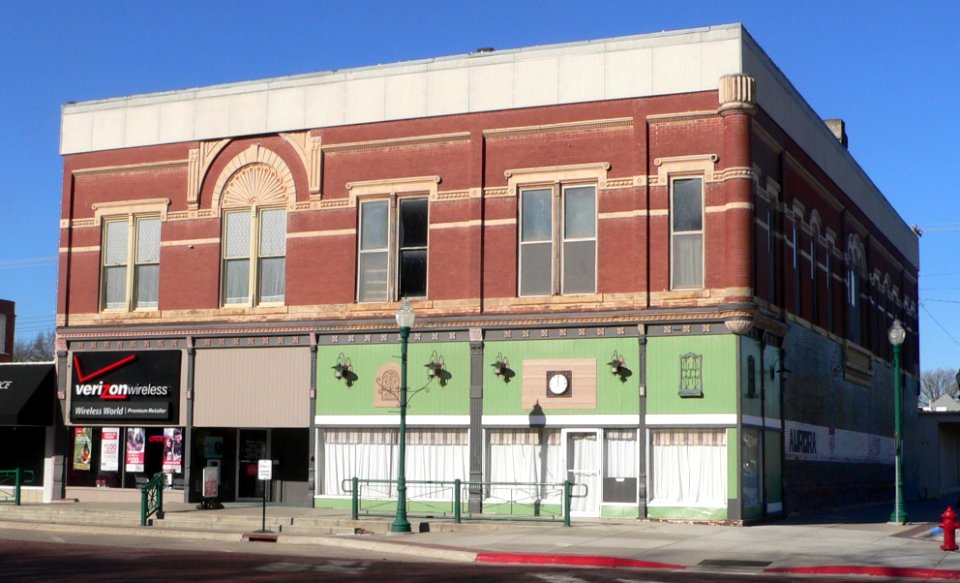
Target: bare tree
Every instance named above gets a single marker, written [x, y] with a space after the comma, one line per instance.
[43, 348]
[937, 383]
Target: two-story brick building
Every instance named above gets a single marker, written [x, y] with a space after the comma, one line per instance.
[643, 264]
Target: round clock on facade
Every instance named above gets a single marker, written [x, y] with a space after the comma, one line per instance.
[558, 383]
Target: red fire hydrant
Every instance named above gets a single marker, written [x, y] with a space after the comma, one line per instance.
[949, 526]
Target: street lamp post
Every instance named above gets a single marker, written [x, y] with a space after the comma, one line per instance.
[405, 317]
[896, 335]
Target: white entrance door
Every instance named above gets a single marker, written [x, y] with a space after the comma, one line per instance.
[584, 452]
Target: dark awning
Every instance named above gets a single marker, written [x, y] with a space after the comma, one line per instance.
[26, 393]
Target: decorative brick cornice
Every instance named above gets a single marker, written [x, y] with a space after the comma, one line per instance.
[131, 169]
[681, 117]
[394, 143]
[575, 126]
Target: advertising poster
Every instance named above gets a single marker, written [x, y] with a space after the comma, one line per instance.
[136, 437]
[110, 449]
[82, 448]
[172, 450]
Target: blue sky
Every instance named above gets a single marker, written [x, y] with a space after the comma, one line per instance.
[887, 68]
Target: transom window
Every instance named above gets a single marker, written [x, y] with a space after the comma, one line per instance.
[392, 260]
[131, 263]
[254, 256]
[558, 240]
[686, 231]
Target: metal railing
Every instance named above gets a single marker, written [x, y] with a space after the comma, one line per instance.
[151, 498]
[523, 501]
[15, 478]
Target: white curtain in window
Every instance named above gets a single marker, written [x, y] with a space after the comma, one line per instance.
[437, 455]
[147, 285]
[690, 468]
[688, 260]
[365, 454]
[622, 453]
[521, 455]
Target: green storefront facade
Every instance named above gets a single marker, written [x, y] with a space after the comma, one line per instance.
[664, 422]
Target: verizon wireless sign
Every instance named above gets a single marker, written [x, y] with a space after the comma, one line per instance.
[125, 386]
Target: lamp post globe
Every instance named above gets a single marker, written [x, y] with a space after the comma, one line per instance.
[405, 318]
[897, 335]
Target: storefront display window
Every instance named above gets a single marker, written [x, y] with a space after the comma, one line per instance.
[96, 454]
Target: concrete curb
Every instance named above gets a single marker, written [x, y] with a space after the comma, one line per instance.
[573, 560]
[122, 530]
[891, 572]
[410, 550]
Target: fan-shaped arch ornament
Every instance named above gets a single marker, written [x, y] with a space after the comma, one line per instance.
[256, 176]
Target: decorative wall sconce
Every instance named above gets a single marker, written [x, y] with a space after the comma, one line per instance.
[778, 368]
[501, 368]
[343, 370]
[436, 368]
[618, 367]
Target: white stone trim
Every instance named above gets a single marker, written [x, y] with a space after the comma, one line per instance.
[765, 422]
[391, 420]
[555, 420]
[712, 419]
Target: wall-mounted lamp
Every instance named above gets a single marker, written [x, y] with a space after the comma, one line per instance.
[436, 368]
[618, 366]
[778, 368]
[343, 370]
[501, 368]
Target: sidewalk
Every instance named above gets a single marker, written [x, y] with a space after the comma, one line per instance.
[857, 541]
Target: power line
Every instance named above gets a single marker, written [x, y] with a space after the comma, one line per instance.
[937, 322]
[28, 262]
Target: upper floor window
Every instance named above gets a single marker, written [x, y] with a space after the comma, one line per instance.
[131, 263]
[392, 260]
[558, 240]
[686, 231]
[254, 256]
[3, 333]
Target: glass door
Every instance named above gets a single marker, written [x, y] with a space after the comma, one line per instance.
[583, 467]
[252, 446]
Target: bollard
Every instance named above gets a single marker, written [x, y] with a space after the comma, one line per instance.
[949, 526]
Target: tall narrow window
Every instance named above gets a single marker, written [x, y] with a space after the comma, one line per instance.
[131, 241]
[558, 240]
[272, 255]
[687, 233]
[254, 256]
[853, 301]
[814, 287]
[146, 275]
[393, 249]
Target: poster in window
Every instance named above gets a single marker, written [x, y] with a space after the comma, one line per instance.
[110, 449]
[172, 449]
[82, 448]
[136, 437]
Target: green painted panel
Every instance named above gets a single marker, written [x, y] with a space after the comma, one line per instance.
[719, 373]
[619, 511]
[750, 357]
[772, 384]
[766, 381]
[773, 467]
[686, 513]
[425, 397]
[507, 509]
[614, 397]
[733, 464]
